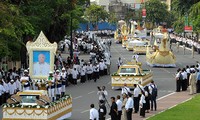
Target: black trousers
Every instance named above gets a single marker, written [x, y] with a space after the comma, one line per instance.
[198, 86]
[75, 81]
[178, 85]
[89, 76]
[142, 110]
[136, 104]
[184, 85]
[119, 115]
[95, 76]
[83, 79]
[129, 113]
[153, 103]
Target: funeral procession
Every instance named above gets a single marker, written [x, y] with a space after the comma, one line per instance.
[99, 59]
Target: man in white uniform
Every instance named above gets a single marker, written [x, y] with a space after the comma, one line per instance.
[64, 80]
[41, 67]
[94, 114]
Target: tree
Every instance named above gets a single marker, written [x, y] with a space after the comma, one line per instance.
[180, 9]
[156, 11]
[12, 28]
[95, 13]
[195, 16]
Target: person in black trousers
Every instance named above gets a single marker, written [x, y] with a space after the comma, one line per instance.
[113, 109]
[102, 110]
[178, 81]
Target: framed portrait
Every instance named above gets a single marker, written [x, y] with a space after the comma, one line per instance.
[41, 63]
[41, 57]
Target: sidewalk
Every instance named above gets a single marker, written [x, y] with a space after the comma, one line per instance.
[165, 103]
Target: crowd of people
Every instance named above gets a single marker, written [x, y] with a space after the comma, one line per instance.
[141, 100]
[187, 41]
[66, 72]
[188, 77]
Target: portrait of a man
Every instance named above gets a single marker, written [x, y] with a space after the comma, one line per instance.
[41, 63]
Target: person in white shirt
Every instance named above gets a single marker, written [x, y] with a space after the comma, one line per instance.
[2, 91]
[184, 80]
[129, 107]
[142, 104]
[12, 87]
[119, 107]
[64, 81]
[25, 80]
[75, 76]
[119, 62]
[51, 86]
[95, 72]
[102, 93]
[136, 95]
[94, 114]
[125, 89]
[101, 68]
[7, 89]
[18, 84]
[83, 73]
[89, 71]
[58, 81]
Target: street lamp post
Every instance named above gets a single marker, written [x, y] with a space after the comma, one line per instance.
[71, 39]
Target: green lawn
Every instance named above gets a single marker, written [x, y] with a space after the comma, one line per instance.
[189, 110]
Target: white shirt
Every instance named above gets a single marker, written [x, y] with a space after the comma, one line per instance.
[119, 105]
[136, 92]
[125, 90]
[101, 66]
[12, 88]
[2, 89]
[83, 71]
[74, 74]
[100, 93]
[18, 85]
[94, 114]
[142, 99]
[151, 86]
[6, 87]
[41, 69]
[129, 103]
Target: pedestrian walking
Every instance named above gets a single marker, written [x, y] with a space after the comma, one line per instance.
[119, 62]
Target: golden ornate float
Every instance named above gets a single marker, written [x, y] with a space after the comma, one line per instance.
[162, 57]
[131, 73]
[60, 109]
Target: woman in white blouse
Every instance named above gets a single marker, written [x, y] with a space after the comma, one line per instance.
[142, 104]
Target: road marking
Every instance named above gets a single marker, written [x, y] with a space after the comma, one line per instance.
[85, 111]
[78, 97]
[91, 92]
[166, 96]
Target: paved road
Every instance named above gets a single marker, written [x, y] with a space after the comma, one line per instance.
[85, 94]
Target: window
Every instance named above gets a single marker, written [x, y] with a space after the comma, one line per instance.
[29, 99]
[127, 70]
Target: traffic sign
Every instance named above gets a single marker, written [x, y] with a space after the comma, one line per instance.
[188, 29]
